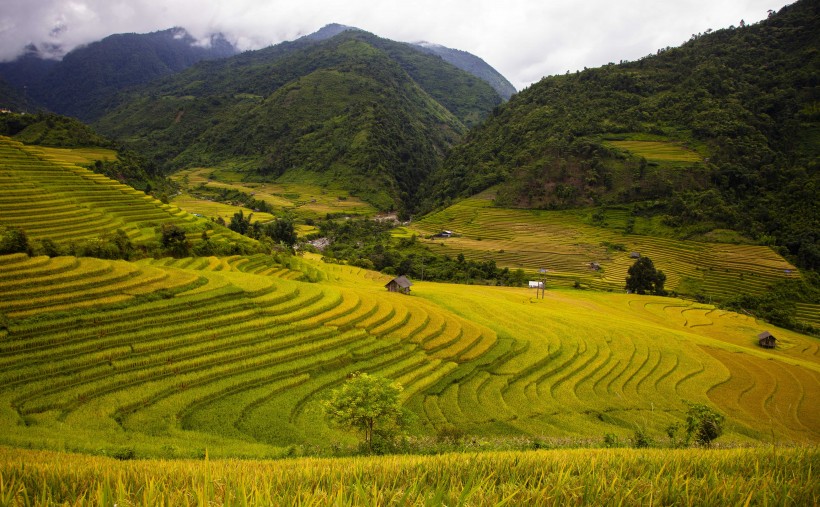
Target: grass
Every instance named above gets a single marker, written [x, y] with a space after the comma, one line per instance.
[762, 476]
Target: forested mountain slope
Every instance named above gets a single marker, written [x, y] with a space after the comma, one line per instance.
[355, 110]
[85, 81]
[722, 132]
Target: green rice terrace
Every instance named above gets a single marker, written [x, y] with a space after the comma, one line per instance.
[171, 357]
[52, 198]
[303, 199]
[573, 248]
[230, 356]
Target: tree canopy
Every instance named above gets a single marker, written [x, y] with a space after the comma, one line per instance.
[643, 278]
[367, 403]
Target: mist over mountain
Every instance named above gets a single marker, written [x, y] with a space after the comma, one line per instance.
[84, 82]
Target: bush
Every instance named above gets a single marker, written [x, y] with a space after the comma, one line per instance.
[703, 424]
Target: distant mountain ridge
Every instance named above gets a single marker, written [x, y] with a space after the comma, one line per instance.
[341, 107]
[87, 78]
[462, 59]
[472, 64]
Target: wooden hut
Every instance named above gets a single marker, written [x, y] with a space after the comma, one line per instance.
[766, 340]
[399, 284]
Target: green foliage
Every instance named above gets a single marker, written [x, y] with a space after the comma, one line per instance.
[734, 110]
[643, 278]
[703, 424]
[368, 244]
[365, 113]
[49, 130]
[369, 404]
[641, 438]
[13, 240]
[174, 240]
[777, 304]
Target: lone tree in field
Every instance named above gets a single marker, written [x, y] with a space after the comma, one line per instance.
[367, 403]
[703, 424]
[643, 278]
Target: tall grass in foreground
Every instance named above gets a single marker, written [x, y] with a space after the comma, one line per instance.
[761, 476]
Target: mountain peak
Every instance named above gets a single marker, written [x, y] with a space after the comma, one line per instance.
[329, 31]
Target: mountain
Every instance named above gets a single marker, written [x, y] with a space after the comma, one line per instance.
[472, 64]
[354, 110]
[83, 83]
[461, 59]
[720, 133]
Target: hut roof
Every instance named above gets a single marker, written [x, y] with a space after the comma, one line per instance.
[402, 281]
[765, 334]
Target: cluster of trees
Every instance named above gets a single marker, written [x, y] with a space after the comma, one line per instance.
[280, 230]
[368, 244]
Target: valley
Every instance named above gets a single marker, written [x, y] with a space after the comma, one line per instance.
[184, 294]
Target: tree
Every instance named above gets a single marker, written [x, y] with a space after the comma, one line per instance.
[175, 241]
[240, 223]
[14, 240]
[642, 277]
[367, 403]
[282, 231]
[703, 423]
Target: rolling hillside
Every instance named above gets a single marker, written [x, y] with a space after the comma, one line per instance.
[170, 357]
[719, 133]
[232, 355]
[368, 114]
[50, 197]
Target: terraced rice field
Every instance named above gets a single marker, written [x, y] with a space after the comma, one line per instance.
[173, 356]
[204, 350]
[43, 192]
[563, 243]
[302, 199]
[662, 151]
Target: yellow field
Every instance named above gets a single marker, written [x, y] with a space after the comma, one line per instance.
[233, 354]
[45, 192]
[213, 209]
[75, 155]
[765, 476]
[564, 243]
[658, 150]
[303, 199]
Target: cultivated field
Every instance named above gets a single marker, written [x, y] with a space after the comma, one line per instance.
[171, 357]
[304, 200]
[51, 198]
[764, 476]
[566, 243]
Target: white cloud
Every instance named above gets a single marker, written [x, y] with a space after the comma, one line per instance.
[524, 39]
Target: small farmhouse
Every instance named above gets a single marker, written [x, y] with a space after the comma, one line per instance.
[399, 284]
[766, 340]
[635, 255]
[443, 234]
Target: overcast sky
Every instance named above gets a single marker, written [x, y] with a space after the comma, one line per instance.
[523, 39]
